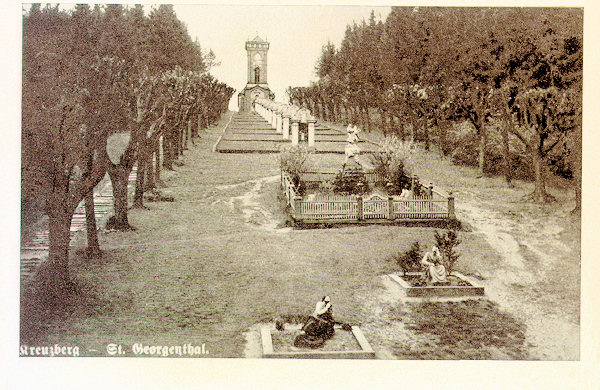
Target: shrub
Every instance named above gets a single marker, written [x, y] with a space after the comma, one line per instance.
[351, 180]
[293, 160]
[446, 244]
[391, 163]
[326, 187]
[410, 261]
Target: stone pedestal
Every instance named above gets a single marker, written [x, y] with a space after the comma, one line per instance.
[295, 135]
[285, 127]
[278, 124]
[311, 132]
[273, 121]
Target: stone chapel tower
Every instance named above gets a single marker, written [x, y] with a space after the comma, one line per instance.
[257, 74]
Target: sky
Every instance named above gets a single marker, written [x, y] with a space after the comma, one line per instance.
[296, 35]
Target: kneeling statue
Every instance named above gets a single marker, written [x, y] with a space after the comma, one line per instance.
[318, 328]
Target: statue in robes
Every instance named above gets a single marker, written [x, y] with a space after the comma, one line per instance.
[435, 271]
[319, 326]
[352, 150]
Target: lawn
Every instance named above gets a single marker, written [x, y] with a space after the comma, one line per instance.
[206, 268]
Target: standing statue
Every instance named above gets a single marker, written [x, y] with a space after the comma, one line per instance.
[319, 326]
[352, 150]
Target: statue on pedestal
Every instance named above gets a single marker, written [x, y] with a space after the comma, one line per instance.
[352, 150]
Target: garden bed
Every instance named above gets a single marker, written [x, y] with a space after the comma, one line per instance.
[458, 285]
[343, 345]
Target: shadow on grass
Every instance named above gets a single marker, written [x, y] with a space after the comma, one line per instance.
[473, 329]
[453, 224]
[44, 309]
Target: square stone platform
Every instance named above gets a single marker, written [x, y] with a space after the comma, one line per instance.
[365, 351]
[474, 290]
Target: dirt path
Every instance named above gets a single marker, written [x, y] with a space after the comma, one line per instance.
[226, 262]
[538, 277]
[523, 282]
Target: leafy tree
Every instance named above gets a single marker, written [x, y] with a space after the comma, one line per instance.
[392, 163]
[542, 66]
[55, 93]
[88, 75]
[425, 67]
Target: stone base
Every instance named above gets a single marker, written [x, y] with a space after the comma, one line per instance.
[366, 352]
[474, 290]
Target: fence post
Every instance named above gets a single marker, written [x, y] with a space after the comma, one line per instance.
[359, 208]
[298, 207]
[451, 213]
[391, 215]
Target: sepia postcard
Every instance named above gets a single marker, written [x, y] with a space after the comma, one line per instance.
[300, 195]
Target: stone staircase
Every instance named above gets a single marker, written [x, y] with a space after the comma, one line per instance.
[250, 133]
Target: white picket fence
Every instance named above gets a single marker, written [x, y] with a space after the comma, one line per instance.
[374, 207]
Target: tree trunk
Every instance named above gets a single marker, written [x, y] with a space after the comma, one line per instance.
[178, 138]
[412, 122]
[59, 233]
[119, 177]
[539, 192]
[168, 146]
[399, 126]
[482, 144]
[334, 112]
[198, 125]
[138, 197]
[150, 181]
[577, 175]
[426, 132]
[577, 171]
[442, 148]
[93, 247]
[507, 162]
[184, 138]
[383, 120]
[367, 118]
[157, 148]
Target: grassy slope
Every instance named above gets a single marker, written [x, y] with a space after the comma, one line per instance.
[195, 272]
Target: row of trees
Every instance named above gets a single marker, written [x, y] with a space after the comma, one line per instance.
[91, 75]
[513, 74]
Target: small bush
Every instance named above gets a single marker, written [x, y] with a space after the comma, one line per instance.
[351, 180]
[410, 261]
[446, 244]
[326, 187]
[391, 163]
[293, 160]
